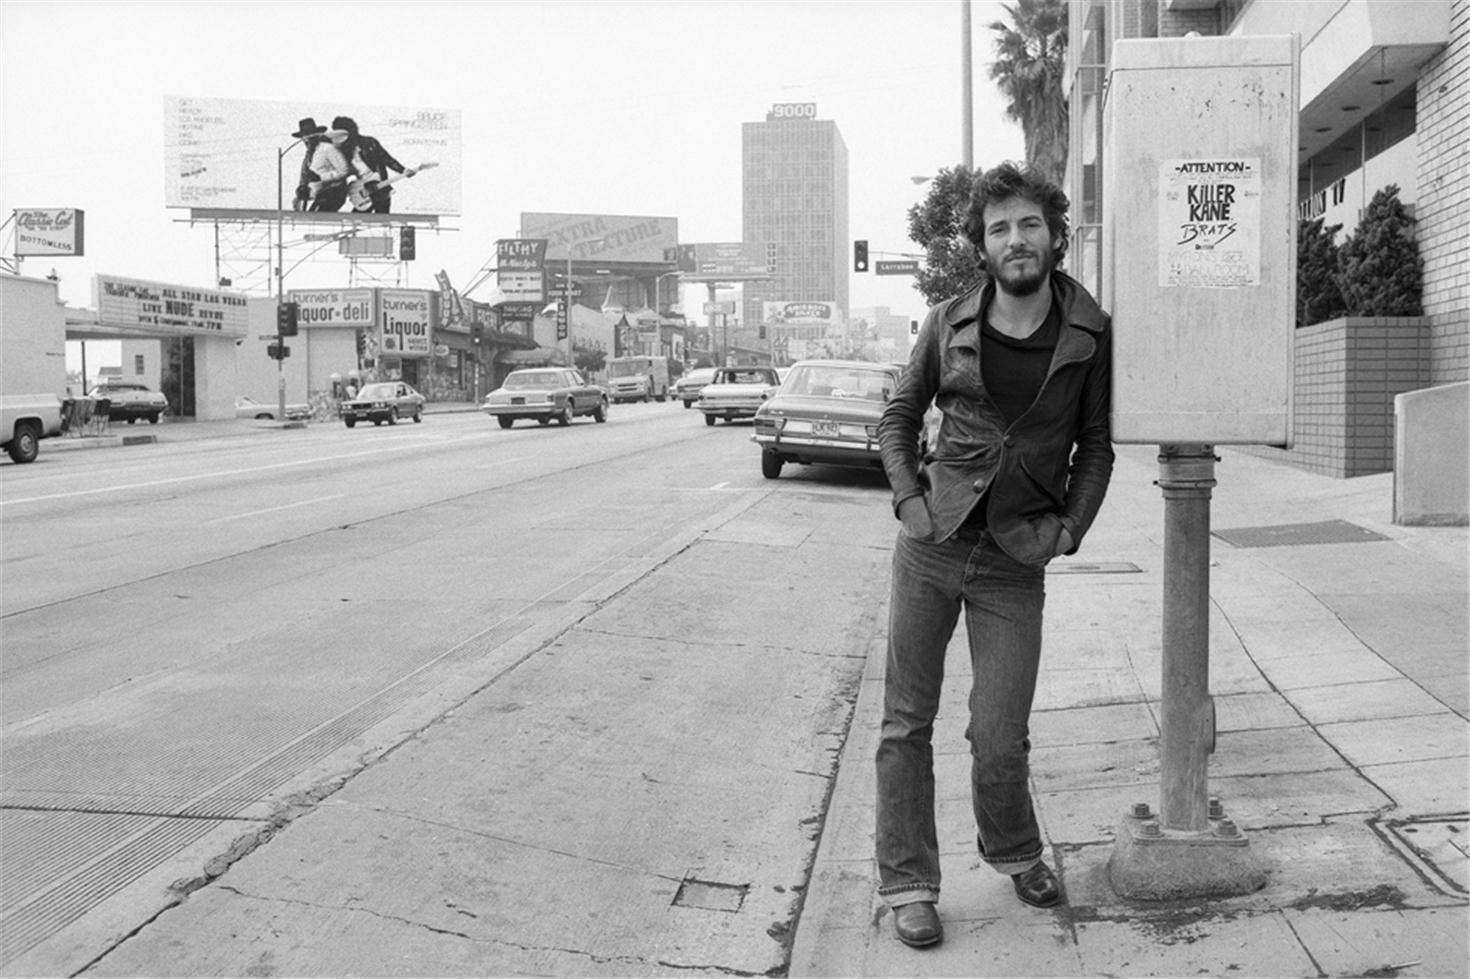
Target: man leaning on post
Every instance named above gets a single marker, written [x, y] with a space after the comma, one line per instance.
[1018, 368]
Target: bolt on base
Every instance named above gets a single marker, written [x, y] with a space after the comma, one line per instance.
[1150, 863]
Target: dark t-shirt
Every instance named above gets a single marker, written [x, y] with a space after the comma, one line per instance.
[1013, 372]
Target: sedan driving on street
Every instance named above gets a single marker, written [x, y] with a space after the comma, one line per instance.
[383, 401]
[736, 392]
[545, 393]
[827, 411]
[688, 387]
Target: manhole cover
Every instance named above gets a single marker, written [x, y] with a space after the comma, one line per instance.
[1293, 534]
[1435, 846]
[1103, 567]
[710, 895]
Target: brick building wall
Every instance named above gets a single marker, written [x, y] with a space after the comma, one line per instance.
[1177, 23]
[1443, 207]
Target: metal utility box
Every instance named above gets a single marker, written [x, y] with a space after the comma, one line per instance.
[1199, 215]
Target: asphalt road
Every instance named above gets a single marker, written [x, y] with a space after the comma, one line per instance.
[204, 639]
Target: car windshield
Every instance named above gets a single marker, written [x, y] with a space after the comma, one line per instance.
[701, 376]
[533, 379]
[378, 391]
[823, 381]
[628, 368]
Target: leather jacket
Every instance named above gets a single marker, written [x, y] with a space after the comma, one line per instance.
[1045, 471]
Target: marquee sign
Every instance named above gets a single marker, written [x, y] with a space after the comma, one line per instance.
[174, 309]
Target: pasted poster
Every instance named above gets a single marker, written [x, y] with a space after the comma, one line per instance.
[1210, 223]
[405, 315]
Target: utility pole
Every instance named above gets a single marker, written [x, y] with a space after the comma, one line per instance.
[967, 91]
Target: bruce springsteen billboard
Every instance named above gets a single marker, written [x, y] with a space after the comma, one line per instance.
[224, 154]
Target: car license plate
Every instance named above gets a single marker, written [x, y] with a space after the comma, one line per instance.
[517, 401]
[826, 429]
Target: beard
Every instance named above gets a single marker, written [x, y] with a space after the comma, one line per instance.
[1018, 281]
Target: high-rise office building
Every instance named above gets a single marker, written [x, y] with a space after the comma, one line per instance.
[794, 190]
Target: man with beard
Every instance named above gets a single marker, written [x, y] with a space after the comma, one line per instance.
[1018, 368]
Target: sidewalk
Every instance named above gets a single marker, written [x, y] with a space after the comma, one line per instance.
[1339, 672]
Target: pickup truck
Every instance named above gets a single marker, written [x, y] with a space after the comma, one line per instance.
[25, 419]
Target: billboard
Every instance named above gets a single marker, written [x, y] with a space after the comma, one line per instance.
[799, 313]
[48, 231]
[729, 260]
[176, 310]
[607, 238]
[223, 154]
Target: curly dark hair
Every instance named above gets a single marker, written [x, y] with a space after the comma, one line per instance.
[1021, 180]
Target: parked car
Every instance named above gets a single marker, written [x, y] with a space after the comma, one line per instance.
[128, 401]
[688, 387]
[247, 407]
[736, 392]
[827, 411]
[544, 393]
[383, 401]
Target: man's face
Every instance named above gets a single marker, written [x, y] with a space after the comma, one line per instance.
[1019, 253]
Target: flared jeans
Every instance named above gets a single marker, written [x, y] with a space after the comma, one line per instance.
[1002, 600]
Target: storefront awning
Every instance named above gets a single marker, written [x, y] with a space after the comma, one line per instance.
[540, 357]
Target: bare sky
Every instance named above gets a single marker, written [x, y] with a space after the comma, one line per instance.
[607, 107]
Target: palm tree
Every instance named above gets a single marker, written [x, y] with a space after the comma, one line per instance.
[1030, 58]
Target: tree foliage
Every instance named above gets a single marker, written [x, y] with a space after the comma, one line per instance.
[1317, 295]
[1380, 272]
[1029, 66]
[936, 225]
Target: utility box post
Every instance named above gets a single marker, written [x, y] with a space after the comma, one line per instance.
[1199, 225]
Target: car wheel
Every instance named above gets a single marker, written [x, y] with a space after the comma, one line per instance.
[565, 418]
[393, 417]
[599, 414]
[506, 421]
[132, 421]
[264, 416]
[689, 404]
[543, 420]
[770, 464]
[418, 415]
[377, 422]
[709, 420]
[153, 419]
[349, 422]
[26, 444]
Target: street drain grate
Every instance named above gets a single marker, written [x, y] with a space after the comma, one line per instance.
[1294, 534]
[1435, 846]
[710, 895]
[1101, 567]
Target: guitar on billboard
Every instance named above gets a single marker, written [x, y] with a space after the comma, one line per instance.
[362, 190]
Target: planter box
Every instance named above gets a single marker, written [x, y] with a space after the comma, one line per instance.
[1347, 372]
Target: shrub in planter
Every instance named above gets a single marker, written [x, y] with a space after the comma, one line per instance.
[1379, 269]
[1317, 295]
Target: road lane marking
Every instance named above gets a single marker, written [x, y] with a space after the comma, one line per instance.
[195, 477]
[276, 509]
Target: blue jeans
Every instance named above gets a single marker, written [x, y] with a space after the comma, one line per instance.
[1002, 600]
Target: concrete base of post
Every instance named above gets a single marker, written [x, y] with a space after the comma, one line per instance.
[1154, 864]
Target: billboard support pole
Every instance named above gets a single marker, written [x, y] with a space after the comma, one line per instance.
[281, 276]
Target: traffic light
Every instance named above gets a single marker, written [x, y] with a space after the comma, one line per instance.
[860, 256]
[287, 317]
[407, 246]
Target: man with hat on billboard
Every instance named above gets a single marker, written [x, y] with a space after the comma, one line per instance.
[310, 135]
